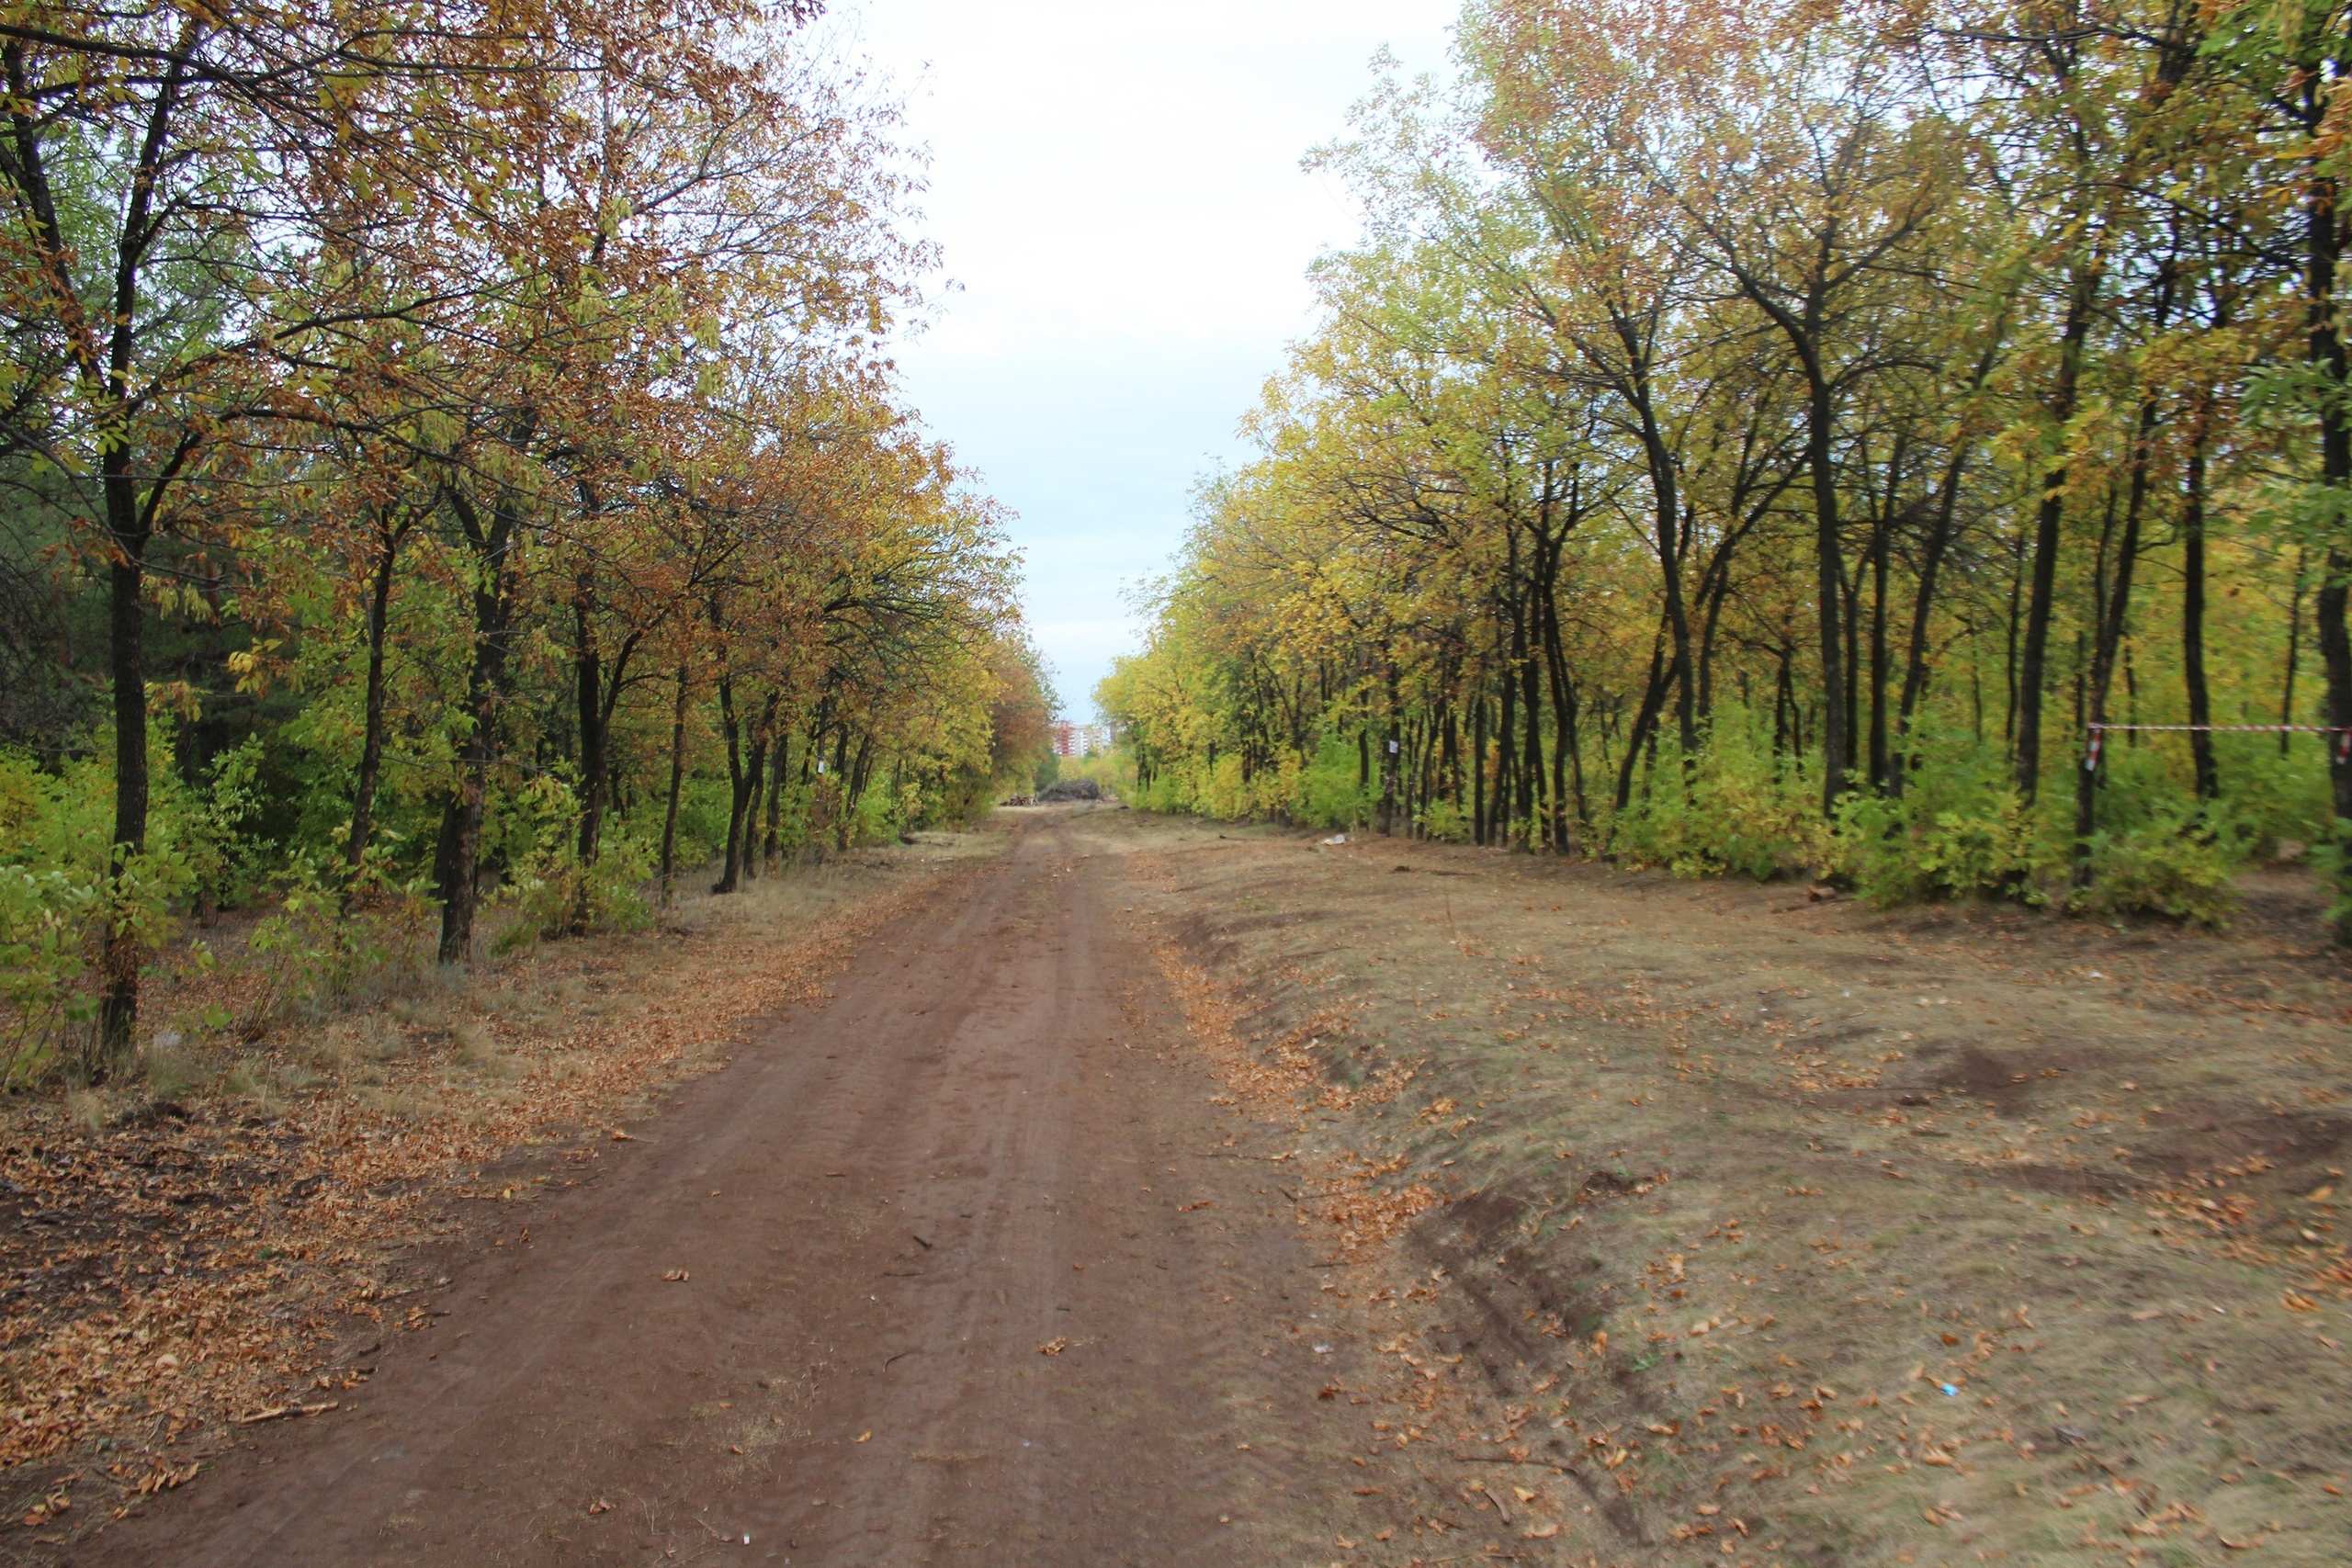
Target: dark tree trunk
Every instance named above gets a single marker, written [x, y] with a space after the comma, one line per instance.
[738, 787]
[126, 671]
[2047, 514]
[677, 786]
[371, 744]
[1653, 699]
[774, 852]
[457, 855]
[1390, 741]
[1478, 768]
[2325, 227]
[2109, 633]
[2192, 612]
[1506, 754]
[588, 670]
[1880, 767]
[1829, 575]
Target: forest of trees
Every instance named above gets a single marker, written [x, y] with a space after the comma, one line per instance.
[451, 454]
[1769, 437]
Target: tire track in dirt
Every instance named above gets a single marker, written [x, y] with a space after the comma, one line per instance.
[990, 1145]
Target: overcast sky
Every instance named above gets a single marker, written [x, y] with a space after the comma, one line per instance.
[1117, 190]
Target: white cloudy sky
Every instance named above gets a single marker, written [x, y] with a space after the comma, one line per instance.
[1117, 190]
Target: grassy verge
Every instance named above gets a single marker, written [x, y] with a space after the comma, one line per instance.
[1780, 1231]
[212, 1240]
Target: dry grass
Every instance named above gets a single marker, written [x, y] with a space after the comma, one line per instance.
[1798, 1232]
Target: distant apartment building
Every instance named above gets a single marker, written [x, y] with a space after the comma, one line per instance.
[1083, 739]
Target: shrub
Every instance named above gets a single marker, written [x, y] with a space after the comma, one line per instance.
[2182, 863]
[1958, 829]
[57, 902]
[210, 831]
[552, 892]
[1743, 810]
[334, 934]
[1443, 820]
[1329, 793]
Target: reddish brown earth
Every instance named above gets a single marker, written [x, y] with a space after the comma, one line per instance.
[964, 1265]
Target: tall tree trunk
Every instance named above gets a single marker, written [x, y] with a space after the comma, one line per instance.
[2192, 609]
[677, 785]
[2324, 228]
[456, 856]
[1564, 716]
[1389, 742]
[738, 787]
[1531, 773]
[2108, 639]
[588, 668]
[772, 851]
[1830, 577]
[127, 672]
[1506, 753]
[2081, 297]
[371, 744]
[1653, 699]
[1880, 764]
[1479, 767]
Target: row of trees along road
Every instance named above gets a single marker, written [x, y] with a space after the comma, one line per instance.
[1753, 434]
[449, 448]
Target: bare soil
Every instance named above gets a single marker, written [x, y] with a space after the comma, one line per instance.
[1790, 1230]
[1159, 1193]
[963, 1265]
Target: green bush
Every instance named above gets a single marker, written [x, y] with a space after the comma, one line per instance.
[1442, 820]
[552, 892]
[1960, 829]
[1329, 793]
[335, 936]
[2182, 861]
[1743, 810]
[57, 903]
[210, 831]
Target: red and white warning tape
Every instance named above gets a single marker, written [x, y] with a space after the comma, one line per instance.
[2343, 737]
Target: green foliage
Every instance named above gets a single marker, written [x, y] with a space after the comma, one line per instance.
[1329, 794]
[550, 891]
[2276, 797]
[702, 819]
[57, 901]
[1960, 829]
[335, 937]
[1745, 810]
[212, 832]
[1446, 822]
[2180, 861]
[1049, 771]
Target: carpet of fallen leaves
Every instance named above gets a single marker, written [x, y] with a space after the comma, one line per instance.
[1705, 1222]
[170, 1268]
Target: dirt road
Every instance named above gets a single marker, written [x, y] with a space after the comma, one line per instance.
[962, 1265]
